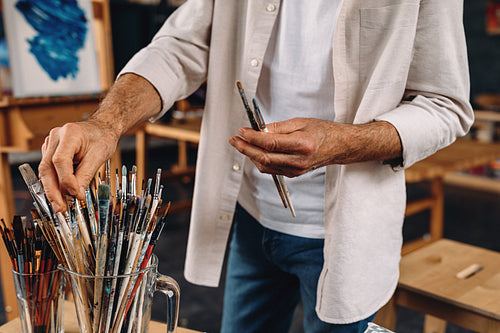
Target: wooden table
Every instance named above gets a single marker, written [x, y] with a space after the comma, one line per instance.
[440, 280]
[71, 323]
[461, 155]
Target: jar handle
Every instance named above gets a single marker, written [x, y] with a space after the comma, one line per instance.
[169, 287]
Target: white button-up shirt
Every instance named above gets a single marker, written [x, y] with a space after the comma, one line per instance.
[402, 61]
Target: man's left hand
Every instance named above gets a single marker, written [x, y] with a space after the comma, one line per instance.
[296, 146]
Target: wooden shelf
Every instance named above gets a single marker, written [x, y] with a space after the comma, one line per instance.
[10, 101]
[474, 182]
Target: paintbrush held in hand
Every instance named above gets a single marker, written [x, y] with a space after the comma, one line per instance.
[112, 232]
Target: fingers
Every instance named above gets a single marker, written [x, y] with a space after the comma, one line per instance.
[56, 168]
[63, 158]
[289, 143]
[86, 144]
[270, 162]
[291, 148]
[47, 173]
[86, 170]
[288, 126]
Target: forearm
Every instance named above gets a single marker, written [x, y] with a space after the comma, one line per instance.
[131, 100]
[375, 141]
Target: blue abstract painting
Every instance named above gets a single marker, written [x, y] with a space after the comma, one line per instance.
[61, 29]
[51, 47]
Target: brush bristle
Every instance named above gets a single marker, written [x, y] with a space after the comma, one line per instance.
[103, 192]
[239, 85]
[28, 174]
[17, 225]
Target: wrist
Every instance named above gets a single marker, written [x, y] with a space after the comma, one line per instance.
[108, 120]
[131, 100]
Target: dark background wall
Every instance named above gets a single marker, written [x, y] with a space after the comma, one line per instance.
[483, 49]
[133, 26]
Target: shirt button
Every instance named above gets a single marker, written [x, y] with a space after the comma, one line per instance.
[254, 62]
[271, 7]
[224, 217]
[236, 167]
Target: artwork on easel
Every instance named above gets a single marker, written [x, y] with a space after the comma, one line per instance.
[51, 47]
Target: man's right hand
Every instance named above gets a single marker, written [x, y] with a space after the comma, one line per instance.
[85, 145]
[88, 144]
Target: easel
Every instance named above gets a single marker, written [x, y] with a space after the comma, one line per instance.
[24, 123]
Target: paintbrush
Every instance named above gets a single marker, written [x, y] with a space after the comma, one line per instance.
[103, 195]
[35, 187]
[49, 237]
[17, 226]
[279, 181]
[133, 258]
[110, 264]
[282, 188]
[151, 243]
[119, 243]
[107, 173]
[77, 215]
[250, 115]
[90, 216]
[133, 181]
[129, 214]
[8, 244]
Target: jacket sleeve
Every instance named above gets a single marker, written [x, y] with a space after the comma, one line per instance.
[176, 60]
[435, 108]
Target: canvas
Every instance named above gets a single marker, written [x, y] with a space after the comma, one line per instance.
[51, 47]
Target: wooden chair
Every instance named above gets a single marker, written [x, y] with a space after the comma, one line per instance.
[24, 122]
[185, 132]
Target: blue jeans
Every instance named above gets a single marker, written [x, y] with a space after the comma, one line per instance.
[268, 274]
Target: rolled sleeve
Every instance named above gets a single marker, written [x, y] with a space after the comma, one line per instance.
[435, 108]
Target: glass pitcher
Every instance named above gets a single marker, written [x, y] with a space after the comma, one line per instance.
[123, 302]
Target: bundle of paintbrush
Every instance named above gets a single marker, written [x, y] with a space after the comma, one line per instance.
[36, 278]
[110, 233]
[29, 251]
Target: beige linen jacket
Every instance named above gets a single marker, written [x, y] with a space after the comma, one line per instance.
[402, 61]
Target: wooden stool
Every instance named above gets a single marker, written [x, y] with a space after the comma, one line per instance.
[455, 282]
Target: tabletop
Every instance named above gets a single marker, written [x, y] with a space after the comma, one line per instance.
[461, 155]
[71, 323]
[464, 275]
